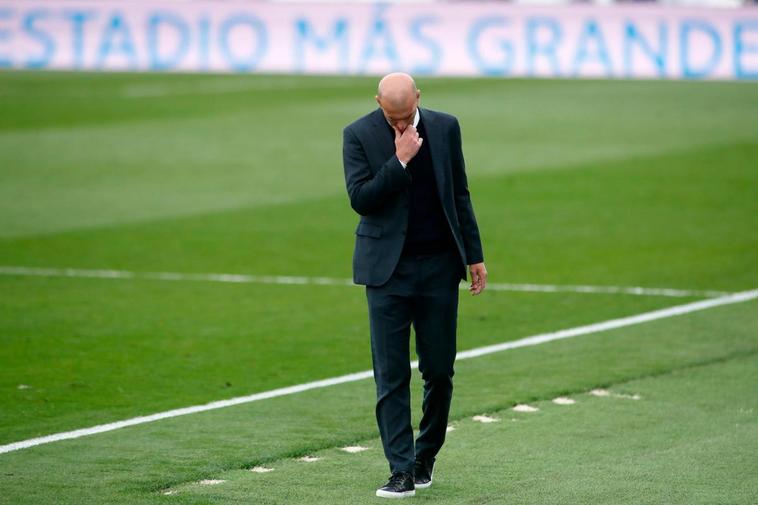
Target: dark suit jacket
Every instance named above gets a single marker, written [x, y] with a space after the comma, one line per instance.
[379, 190]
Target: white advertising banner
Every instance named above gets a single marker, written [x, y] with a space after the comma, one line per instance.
[455, 39]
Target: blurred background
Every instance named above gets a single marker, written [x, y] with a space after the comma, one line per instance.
[703, 39]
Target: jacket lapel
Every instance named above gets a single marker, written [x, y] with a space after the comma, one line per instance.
[435, 150]
[382, 134]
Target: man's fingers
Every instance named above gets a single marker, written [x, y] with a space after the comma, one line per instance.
[477, 285]
[478, 281]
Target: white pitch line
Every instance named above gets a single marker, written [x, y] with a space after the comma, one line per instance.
[625, 290]
[331, 281]
[676, 310]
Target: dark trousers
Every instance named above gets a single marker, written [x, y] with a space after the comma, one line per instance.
[422, 291]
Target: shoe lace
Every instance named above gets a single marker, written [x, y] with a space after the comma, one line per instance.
[397, 478]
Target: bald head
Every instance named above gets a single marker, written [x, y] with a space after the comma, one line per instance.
[398, 97]
[396, 89]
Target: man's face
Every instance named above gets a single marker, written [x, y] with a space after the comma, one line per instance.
[400, 116]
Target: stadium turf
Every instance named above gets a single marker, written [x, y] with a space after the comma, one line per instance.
[690, 438]
[573, 182]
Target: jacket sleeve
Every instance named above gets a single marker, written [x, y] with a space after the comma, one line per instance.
[463, 206]
[368, 192]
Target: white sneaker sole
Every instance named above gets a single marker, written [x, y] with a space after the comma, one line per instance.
[428, 484]
[389, 494]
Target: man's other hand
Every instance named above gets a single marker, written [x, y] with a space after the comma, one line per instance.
[407, 144]
[478, 278]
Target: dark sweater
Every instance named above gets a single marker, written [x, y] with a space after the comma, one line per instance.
[428, 229]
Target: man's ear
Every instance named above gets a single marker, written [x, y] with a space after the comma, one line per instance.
[377, 100]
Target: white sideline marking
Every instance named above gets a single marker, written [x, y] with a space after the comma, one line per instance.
[676, 310]
[352, 449]
[211, 482]
[309, 459]
[600, 392]
[331, 281]
[525, 408]
[261, 469]
[628, 397]
[562, 400]
[605, 392]
[485, 419]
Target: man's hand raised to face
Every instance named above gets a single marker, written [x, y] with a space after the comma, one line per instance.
[407, 144]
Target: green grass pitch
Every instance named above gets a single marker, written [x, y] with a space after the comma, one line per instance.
[607, 183]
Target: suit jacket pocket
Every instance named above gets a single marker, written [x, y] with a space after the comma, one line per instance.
[368, 230]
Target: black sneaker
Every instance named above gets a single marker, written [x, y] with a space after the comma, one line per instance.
[400, 485]
[423, 470]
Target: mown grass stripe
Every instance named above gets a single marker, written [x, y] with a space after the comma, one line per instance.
[472, 353]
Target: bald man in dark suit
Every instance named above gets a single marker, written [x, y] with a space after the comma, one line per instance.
[405, 176]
